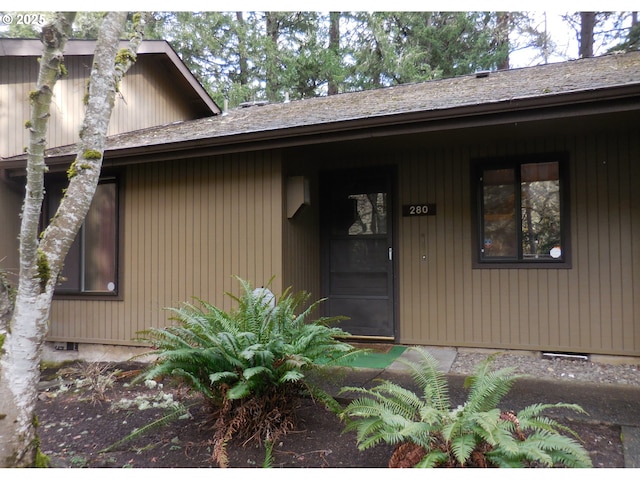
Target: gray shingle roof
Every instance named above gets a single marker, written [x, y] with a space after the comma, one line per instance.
[437, 99]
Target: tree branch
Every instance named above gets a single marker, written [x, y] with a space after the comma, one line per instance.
[110, 64]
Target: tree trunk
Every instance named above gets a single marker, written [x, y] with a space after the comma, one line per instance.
[334, 46]
[587, 25]
[20, 356]
[243, 60]
[41, 260]
[502, 38]
[271, 79]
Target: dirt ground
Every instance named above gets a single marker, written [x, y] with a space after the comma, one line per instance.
[79, 424]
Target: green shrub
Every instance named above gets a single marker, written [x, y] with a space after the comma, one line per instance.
[428, 433]
[251, 362]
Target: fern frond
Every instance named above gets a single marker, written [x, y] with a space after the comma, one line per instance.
[430, 379]
[462, 446]
[268, 454]
[175, 414]
[433, 459]
[392, 414]
[487, 388]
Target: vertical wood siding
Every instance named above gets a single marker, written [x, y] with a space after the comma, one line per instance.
[17, 78]
[145, 99]
[588, 308]
[189, 228]
[443, 300]
[10, 203]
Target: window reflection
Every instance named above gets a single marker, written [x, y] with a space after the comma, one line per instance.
[521, 212]
[499, 213]
[540, 212]
[370, 216]
[100, 240]
[91, 263]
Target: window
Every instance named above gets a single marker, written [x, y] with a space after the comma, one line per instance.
[521, 212]
[91, 266]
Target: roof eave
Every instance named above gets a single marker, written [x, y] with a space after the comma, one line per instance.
[550, 106]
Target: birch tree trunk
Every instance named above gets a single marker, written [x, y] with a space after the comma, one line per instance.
[42, 257]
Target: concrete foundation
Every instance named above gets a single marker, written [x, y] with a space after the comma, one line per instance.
[57, 352]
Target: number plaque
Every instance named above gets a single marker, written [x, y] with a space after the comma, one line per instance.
[418, 209]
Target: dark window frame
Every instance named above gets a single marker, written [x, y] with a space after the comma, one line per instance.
[478, 166]
[56, 184]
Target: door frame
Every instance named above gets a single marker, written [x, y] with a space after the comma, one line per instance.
[392, 172]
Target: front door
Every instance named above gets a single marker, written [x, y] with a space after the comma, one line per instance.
[357, 250]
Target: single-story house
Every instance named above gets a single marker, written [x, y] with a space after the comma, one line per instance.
[495, 210]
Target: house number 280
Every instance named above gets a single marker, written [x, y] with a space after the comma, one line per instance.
[419, 209]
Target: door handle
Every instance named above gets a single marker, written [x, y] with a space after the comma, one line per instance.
[390, 254]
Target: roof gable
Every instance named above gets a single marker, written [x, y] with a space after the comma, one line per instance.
[186, 83]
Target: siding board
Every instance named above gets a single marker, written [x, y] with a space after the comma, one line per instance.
[563, 309]
[146, 98]
[176, 215]
[238, 223]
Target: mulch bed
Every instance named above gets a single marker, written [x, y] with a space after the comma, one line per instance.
[76, 429]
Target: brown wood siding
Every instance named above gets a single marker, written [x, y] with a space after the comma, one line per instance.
[13, 113]
[444, 300]
[189, 228]
[301, 246]
[146, 99]
[10, 203]
[587, 308]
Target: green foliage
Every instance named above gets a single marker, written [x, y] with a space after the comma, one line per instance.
[250, 363]
[268, 456]
[474, 434]
[72, 171]
[247, 351]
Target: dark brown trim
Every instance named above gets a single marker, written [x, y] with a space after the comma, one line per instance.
[565, 188]
[118, 177]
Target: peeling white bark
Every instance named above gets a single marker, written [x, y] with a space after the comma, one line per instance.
[41, 259]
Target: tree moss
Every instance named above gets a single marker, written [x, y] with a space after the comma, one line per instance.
[71, 171]
[125, 56]
[91, 155]
[28, 124]
[40, 460]
[44, 270]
